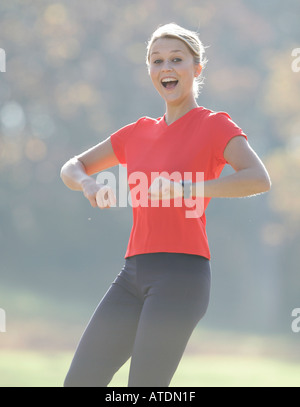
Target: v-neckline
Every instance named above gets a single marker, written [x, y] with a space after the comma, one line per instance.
[167, 126]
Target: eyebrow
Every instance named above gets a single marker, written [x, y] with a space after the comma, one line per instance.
[171, 52]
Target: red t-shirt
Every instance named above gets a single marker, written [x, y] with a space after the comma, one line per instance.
[190, 148]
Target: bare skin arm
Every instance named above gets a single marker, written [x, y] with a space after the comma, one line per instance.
[250, 177]
[76, 173]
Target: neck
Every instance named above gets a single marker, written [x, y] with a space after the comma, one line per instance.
[175, 112]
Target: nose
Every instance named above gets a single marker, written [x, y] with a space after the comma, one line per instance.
[167, 66]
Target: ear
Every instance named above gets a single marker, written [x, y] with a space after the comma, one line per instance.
[198, 70]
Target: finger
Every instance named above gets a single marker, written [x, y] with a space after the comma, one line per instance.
[92, 199]
[163, 188]
[99, 199]
[93, 202]
[106, 198]
[153, 194]
[111, 198]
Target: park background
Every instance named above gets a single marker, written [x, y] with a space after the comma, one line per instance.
[75, 73]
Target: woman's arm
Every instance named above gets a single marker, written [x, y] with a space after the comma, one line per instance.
[250, 177]
[76, 173]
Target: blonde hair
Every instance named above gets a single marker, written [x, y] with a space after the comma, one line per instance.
[190, 38]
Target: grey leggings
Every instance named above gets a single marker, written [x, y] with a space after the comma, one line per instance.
[148, 314]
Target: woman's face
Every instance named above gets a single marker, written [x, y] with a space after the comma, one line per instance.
[172, 70]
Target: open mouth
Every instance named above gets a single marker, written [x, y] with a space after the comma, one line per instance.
[169, 83]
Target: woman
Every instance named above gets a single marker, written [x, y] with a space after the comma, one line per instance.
[162, 292]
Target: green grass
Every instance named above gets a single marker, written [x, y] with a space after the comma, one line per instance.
[37, 369]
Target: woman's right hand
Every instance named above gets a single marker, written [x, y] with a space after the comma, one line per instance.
[98, 194]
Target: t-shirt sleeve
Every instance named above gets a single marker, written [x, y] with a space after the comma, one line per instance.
[222, 131]
[119, 140]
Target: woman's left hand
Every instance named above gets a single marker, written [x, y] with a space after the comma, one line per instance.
[163, 188]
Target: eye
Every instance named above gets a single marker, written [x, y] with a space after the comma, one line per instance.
[177, 60]
[157, 61]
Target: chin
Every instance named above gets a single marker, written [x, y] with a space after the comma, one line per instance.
[171, 96]
[174, 99]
